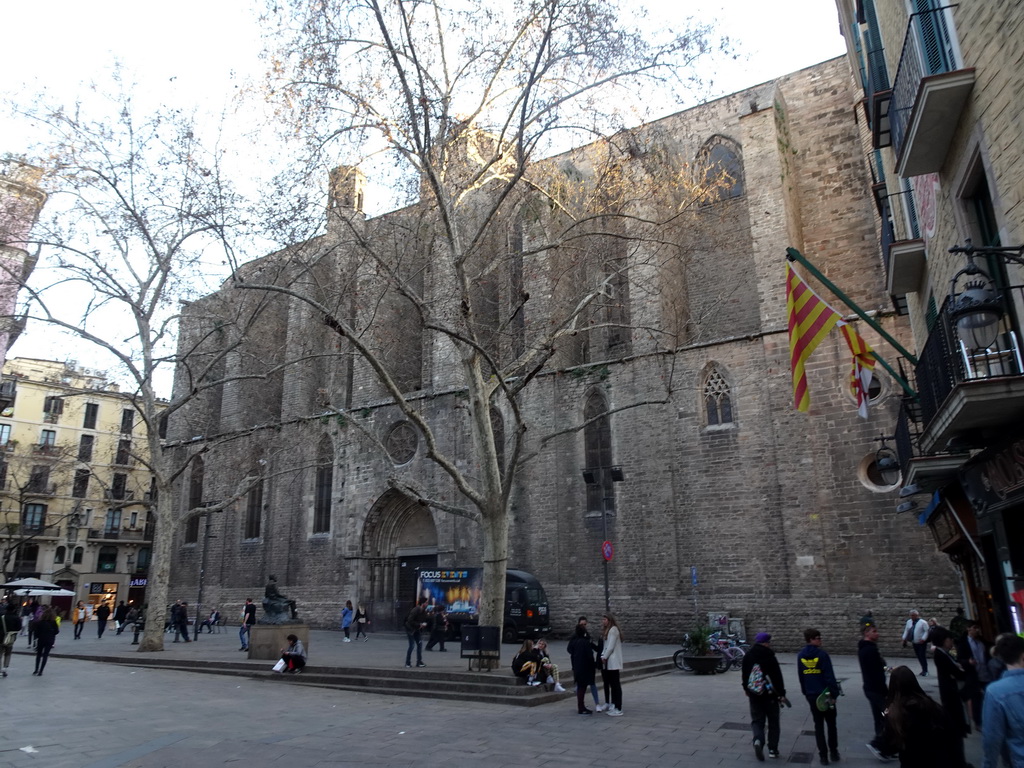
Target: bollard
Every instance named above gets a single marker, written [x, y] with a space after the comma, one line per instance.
[138, 628]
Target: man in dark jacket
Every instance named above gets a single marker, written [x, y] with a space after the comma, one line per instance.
[102, 614]
[973, 654]
[414, 623]
[872, 670]
[814, 666]
[764, 704]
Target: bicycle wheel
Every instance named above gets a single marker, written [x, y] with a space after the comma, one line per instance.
[737, 657]
[724, 662]
[678, 658]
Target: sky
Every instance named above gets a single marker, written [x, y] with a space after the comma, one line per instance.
[199, 53]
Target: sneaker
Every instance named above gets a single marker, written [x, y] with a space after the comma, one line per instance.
[408, 665]
[550, 680]
[759, 750]
[880, 754]
[613, 712]
[420, 664]
[601, 707]
[533, 682]
[349, 640]
[923, 674]
[559, 688]
[365, 639]
[773, 754]
[585, 711]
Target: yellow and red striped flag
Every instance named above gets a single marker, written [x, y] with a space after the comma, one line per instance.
[810, 320]
[863, 367]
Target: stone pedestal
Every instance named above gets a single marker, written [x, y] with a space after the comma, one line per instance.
[266, 641]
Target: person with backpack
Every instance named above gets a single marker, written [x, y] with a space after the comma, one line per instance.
[819, 685]
[765, 689]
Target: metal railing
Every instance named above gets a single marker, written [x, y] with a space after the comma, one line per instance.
[945, 362]
[926, 51]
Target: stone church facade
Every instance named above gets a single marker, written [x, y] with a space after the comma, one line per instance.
[783, 516]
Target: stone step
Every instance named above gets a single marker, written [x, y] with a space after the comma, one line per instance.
[497, 687]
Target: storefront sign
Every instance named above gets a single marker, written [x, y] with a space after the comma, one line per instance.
[997, 479]
[137, 582]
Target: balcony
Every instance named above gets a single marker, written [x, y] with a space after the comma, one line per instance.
[905, 266]
[121, 534]
[929, 94]
[929, 471]
[45, 449]
[964, 393]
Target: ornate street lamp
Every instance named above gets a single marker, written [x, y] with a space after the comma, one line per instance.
[976, 307]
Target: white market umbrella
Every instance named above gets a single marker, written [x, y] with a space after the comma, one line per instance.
[44, 592]
[30, 584]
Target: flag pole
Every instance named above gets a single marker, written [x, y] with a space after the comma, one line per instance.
[792, 254]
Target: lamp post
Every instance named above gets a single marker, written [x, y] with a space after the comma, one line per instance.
[594, 476]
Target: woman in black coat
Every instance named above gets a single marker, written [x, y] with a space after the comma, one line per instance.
[46, 634]
[951, 677]
[584, 668]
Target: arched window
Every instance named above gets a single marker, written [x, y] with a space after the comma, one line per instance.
[324, 486]
[58, 555]
[597, 438]
[76, 557]
[722, 170]
[717, 399]
[254, 510]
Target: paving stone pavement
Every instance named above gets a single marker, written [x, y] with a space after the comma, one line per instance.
[86, 714]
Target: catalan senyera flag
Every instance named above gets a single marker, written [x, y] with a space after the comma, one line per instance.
[810, 320]
[862, 369]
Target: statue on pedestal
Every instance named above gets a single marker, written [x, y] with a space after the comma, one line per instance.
[277, 608]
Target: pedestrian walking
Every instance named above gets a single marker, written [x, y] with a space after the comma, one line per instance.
[361, 622]
[1004, 706]
[248, 619]
[46, 635]
[611, 658]
[872, 670]
[819, 686]
[916, 633]
[181, 622]
[438, 628]
[346, 619]
[916, 728]
[415, 622]
[765, 690]
[120, 616]
[102, 615]
[10, 626]
[951, 677]
[79, 615]
[973, 654]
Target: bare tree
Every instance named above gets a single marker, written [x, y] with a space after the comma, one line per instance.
[139, 216]
[508, 264]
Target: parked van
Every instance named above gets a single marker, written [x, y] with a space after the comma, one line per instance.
[459, 590]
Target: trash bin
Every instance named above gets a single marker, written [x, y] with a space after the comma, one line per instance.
[480, 642]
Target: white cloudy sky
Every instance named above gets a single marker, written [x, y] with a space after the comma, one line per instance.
[200, 51]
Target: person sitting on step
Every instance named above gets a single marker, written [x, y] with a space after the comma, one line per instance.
[547, 667]
[526, 663]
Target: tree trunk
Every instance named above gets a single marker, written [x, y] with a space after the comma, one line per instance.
[492, 604]
[159, 573]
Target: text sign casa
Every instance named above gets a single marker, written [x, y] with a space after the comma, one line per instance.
[995, 480]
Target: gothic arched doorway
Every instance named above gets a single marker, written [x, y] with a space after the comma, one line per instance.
[399, 538]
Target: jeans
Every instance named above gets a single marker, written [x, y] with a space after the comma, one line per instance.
[821, 719]
[921, 649]
[101, 627]
[414, 641]
[78, 629]
[765, 709]
[243, 635]
[42, 654]
[877, 703]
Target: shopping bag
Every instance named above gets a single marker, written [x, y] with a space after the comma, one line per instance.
[279, 667]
